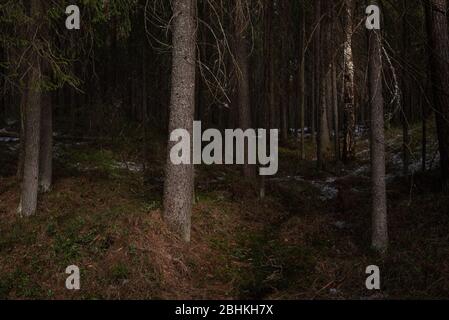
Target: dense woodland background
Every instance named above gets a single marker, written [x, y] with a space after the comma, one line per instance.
[85, 177]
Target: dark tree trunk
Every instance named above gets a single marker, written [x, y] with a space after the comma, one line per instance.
[241, 55]
[46, 144]
[405, 96]
[349, 119]
[325, 145]
[317, 73]
[437, 25]
[302, 84]
[378, 187]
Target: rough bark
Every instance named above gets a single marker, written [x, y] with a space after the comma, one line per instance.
[325, 145]
[46, 130]
[243, 90]
[28, 200]
[317, 76]
[437, 25]
[269, 94]
[349, 102]
[46, 144]
[302, 84]
[405, 95]
[284, 75]
[378, 187]
[335, 115]
[179, 179]
[32, 108]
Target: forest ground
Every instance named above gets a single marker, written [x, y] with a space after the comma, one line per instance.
[309, 239]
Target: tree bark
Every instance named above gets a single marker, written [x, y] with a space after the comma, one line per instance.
[378, 187]
[28, 200]
[405, 95]
[302, 84]
[317, 77]
[46, 144]
[46, 130]
[349, 102]
[241, 56]
[179, 179]
[325, 145]
[437, 26]
[335, 116]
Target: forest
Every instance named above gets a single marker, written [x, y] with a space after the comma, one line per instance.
[230, 150]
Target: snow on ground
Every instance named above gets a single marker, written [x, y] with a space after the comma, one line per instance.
[8, 139]
[327, 189]
[128, 165]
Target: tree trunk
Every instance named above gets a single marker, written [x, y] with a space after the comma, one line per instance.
[179, 179]
[46, 130]
[335, 115]
[28, 200]
[269, 99]
[325, 145]
[405, 96]
[21, 160]
[379, 200]
[302, 84]
[241, 55]
[437, 26]
[284, 74]
[144, 111]
[349, 102]
[46, 144]
[317, 76]
[423, 135]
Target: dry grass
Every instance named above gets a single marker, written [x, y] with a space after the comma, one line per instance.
[292, 245]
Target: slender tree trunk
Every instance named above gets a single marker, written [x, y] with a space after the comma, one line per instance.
[302, 84]
[284, 74]
[325, 145]
[379, 199]
[437, 25]
[335, 115]
[269, 94]
[179, 179]
[144, 109]
[22, 106]
[405, 96]
[241, 55]
[46, 130]
[46, 144]
[349, 119]
[424, 136]
[317, 79]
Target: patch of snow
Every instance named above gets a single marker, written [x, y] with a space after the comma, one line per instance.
[340, 224]
[328, 191]
[11, 122]
[8, 139]
[131, 166]
[333, 291]
[361, 170]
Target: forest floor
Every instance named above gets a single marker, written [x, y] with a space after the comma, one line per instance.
[309, 239]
